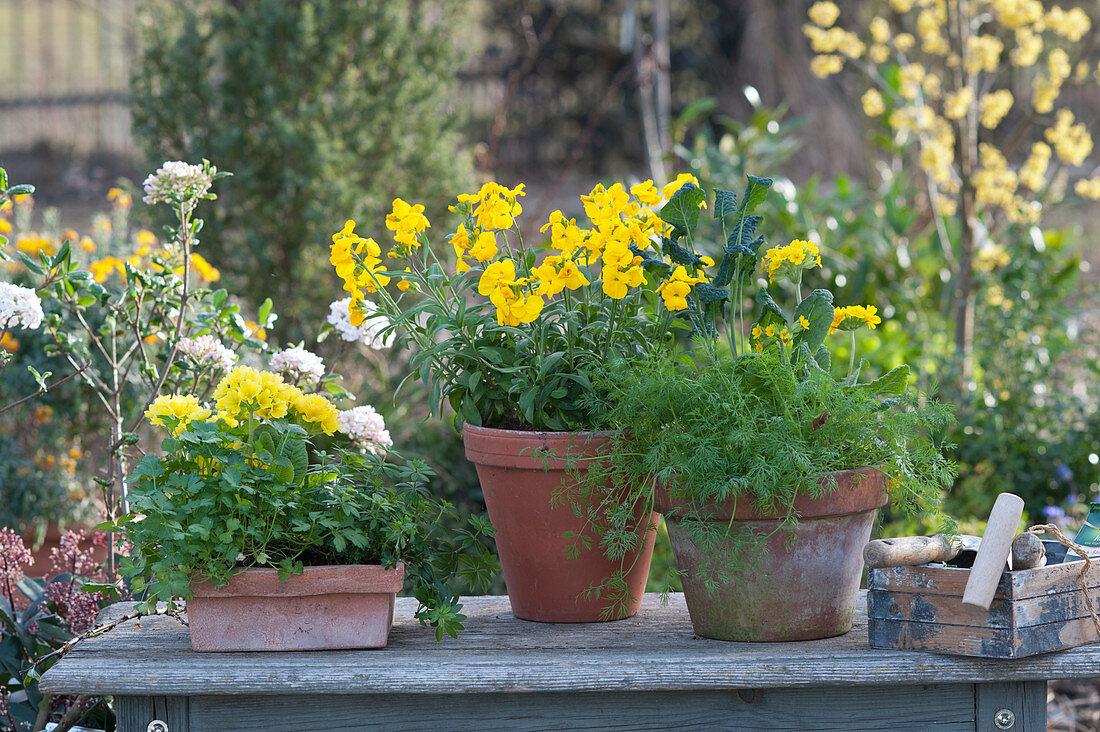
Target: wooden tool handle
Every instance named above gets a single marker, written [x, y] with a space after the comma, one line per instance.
[993, 551]
[908, 551]
[1028, 552]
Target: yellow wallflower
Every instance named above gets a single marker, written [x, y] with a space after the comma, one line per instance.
[406, 221]
[485, 247]
[670, 188]
[245, 391]
[87, 244]
[498, 273]
[647, 193]
[102, 269]
[403, 283]
[120, 197]
[9, 343]
[205, 269]
[676, 288]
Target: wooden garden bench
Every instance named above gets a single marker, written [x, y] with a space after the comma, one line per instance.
[645, 673]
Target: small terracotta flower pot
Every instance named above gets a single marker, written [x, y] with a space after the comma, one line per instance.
[324, 608]
[520, 473]
[782, 592]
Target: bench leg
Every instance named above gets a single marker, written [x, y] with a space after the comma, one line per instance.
[137, 713]
[1020, 706]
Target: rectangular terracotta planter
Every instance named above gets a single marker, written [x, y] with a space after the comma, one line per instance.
[324, 608]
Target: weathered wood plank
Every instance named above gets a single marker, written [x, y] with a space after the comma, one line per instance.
[978, 641]
[1025, 583]
[1025, 700]
[654, 651]
[134, 713]
[1034, 611]
[878, 709]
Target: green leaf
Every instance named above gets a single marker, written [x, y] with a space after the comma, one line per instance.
[681, 255]
[23, 189]
[682, 211]
[265, 311]
[3, 179]
[817, 308]
[892, 383]
[770, 312]
[218, 298]
[725, 202]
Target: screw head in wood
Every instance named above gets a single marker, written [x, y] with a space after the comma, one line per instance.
[1004, 719]
[157, 726]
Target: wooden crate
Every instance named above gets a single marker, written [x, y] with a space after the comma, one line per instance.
[1034, 611]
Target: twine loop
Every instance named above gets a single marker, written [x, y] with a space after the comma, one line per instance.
[1081, 551]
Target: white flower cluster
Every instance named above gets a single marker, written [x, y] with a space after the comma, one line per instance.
[368, 333]
[366, 428]
[177, 181]
[206, 349]
[299, 364]
[19, 306]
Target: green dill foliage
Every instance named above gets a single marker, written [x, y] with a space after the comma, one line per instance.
[211, 509]
[753, 413]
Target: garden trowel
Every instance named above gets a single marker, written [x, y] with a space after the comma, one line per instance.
[909, 551]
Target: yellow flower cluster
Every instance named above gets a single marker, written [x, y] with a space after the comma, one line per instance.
[494, 208]
[930, 22]
[854, 317]
[1017, 13]
[983, 53]
[181, 408]
[826, 65]
[1029, 45]
[991, 257]
[1088, 188]
[824, 14]
[347, 247]
[1045, 88]
[514, 305]
[406, 222]
[677, 287]
[957, 103]
[790, 260]
[873, 103]
[245, 391]
[1072, 142]
[762, 337]
[1034, 170]
[1071, 24]
[994, 107]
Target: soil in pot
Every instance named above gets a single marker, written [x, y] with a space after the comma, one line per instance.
[776, 591]
[520, 472]
[324, 608]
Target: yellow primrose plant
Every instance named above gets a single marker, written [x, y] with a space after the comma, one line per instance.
[511, 335]
[269, 474]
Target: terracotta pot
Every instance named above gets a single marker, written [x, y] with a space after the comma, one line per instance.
[324, 608]
[783, 592]
[518, 480]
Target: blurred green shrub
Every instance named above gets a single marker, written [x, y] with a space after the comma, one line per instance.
[321, 108]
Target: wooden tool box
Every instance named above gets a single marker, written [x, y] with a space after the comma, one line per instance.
[1034, 611]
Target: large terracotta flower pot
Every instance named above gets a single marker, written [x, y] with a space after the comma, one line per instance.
[323, 608]
[520, 472]
[781, 592]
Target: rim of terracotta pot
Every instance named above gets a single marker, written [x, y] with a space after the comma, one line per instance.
[858, 490]
[528, 449]
[348, 579]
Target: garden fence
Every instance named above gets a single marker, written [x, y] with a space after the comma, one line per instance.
[64, 73]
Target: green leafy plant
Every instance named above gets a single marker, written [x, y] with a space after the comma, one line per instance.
[244, 484]
[762, 420]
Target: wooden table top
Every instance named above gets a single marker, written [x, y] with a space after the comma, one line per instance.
[655, 650]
